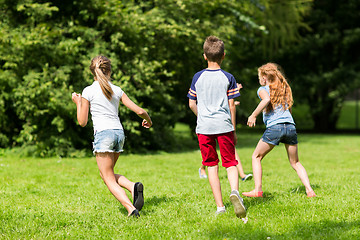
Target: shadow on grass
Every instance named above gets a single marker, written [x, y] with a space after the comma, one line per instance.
[155, 200]
[301, 189]
[325, 230]
[250, 201]
[151, 203]
[305, 230]
[148, 204]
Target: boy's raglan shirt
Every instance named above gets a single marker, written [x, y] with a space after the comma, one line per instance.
[212, 90]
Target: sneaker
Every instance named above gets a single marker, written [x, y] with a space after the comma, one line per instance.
[138, 196]
[134, 213]
[202, 175]
[247, 177]
[238, 204]
[219, 212]
[253, 193]
[311, 194]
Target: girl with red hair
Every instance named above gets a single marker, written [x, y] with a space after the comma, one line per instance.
[276, 102]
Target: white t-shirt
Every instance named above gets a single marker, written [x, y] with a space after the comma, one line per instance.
[104, 113]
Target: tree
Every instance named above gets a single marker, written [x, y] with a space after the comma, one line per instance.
[281, 22]
[323, 66]
[155, 48]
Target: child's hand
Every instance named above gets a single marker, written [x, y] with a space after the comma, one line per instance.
[251, 121]
[76, 97]
[146, 124]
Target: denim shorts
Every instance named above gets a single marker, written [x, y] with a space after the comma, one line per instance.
[281, 132]
[110, 140]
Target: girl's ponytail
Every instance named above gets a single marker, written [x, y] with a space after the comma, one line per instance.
[100, 67]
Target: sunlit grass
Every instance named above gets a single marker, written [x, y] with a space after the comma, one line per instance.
[55, 198]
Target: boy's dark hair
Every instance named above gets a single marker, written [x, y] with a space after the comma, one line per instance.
[214, 49]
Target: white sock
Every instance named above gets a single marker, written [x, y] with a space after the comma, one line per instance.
[221, 208]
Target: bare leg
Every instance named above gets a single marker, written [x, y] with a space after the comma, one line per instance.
[239, 166]
[260, 152]
[121, 179]
[292, 151]
[233, 178]
[215, 185]
[106, 163]
[125, 183]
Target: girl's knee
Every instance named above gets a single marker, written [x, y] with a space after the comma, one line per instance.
[294, 163]
[257, 157]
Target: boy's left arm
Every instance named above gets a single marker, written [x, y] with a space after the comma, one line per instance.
[193, 106]
[233, 116]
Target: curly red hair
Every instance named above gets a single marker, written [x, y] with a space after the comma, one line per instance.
[280, 91]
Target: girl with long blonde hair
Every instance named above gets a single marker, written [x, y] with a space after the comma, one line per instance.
[276, 102]
[103, 98]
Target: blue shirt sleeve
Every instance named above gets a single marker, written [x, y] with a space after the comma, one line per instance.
[192, 91]
[233, 90]
[266, 88]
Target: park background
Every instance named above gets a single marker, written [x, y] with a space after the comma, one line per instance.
[156, 47]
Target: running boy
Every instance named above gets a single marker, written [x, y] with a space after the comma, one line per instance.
[211, 98]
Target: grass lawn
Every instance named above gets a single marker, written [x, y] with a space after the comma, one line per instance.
[347, 119]
[55, 198]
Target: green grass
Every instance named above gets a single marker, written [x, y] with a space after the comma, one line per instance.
[347, 119]
[55, 198]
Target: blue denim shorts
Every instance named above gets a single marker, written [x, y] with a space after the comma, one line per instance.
[281, 132]
[110, 140]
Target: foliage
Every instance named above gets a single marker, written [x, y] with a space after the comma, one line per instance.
[155, 48]
[282, 22]
[322, 65]
[65, 198]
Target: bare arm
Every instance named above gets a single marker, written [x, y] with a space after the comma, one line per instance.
[265, 100]
[193, 106]
[232, 107]
[147, 123]
[82, 108]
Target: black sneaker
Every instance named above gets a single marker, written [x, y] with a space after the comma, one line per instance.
[138, 196]
[135, 213]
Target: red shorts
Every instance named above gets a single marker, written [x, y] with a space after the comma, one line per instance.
[209, 155]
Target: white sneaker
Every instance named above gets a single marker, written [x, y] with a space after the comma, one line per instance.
[219, 212]
[238, 204]
[247, 177]
[201, 175]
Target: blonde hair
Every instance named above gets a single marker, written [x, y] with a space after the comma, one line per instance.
[214, 49]
[100, 67]
[280, 91]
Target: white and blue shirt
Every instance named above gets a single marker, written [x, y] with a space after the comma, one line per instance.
[277, 115]
[212, 90]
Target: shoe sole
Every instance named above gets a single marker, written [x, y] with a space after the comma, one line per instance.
[247, 178]
[239, 207]
[139, 196]
[135, 214]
